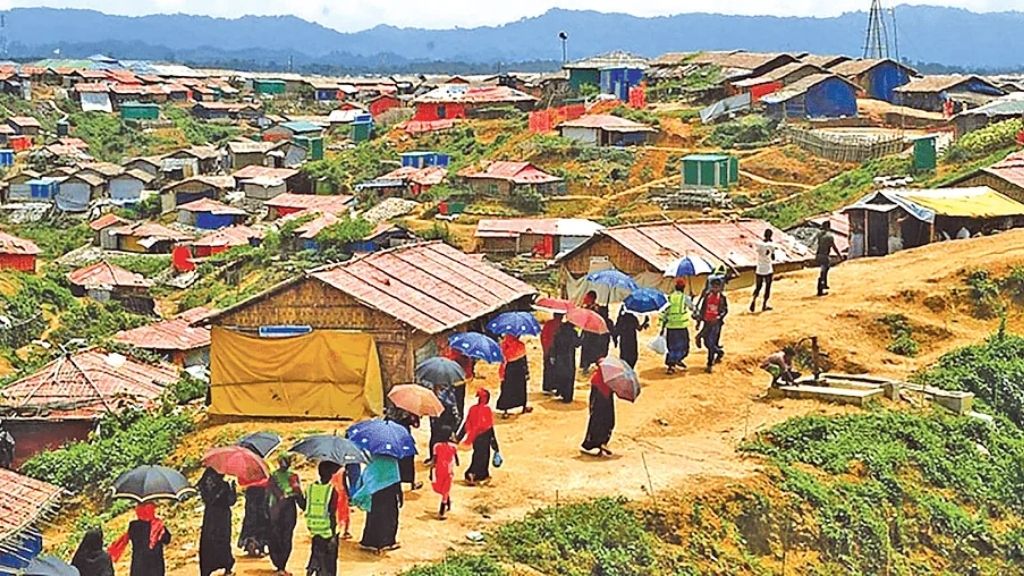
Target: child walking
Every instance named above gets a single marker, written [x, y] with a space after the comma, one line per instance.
[442, 472]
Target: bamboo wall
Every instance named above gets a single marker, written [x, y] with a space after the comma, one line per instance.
[604, 247]
[851, 151]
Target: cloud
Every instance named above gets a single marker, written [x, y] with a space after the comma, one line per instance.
[353, 15]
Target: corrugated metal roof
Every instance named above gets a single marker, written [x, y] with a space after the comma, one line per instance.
[254, 171]
[823, 60]
[779, 74]
[217, 182]
[618, 59]
[431, 287]
[87, 385]
[607, 122]
[24, 122]
[213, 207]
[738, 59]
[329, 204]
[24, 503]
[516, 172]
[176, 334]
[17, 246]
[150, 230]
[852, 68]
[106, 221]
[250, 147]
[475, 95]
[939, 83]
[229, 237]
[104, 275]
[1009, 105]
[544, 226]
[926, 204]
[426, 176]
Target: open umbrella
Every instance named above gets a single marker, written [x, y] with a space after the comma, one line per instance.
[262, 443]
[612, 279]
[383, 438]
[476, 345]
[337, 449]
[688, 267]
[553, 305]
[587, 320]
[514, 323]
[645, 301]
[49, 566]
[441, 371]
[237, 461]
[416, 400]
[620, 378]
[151, 483]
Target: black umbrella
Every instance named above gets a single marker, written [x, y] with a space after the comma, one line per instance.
[335, 449]
[262, 443]
[49, 566]
[440, 371]
[149, 483]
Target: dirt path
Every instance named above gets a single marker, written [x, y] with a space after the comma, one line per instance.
[624, 197]
[686, 426]
[768, 182]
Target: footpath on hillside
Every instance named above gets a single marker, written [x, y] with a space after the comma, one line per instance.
[683, 430]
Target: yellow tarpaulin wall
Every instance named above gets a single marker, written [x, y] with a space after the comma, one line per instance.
[323, 374]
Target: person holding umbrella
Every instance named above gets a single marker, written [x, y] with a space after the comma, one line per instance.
[379, 493]
[442, 427]
[407, 464]
[515, 375]
[254, 536]
[547, 342]
[602, 416]
[641, 302]
[321, 519]
[285, 494]
[90, 558]
[712, 310]
[148, 536]
[468, 365]
[562, 361]
[215, 535]
[675, 325]
[478, 432]
[593, 346]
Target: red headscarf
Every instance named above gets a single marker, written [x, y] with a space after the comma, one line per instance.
[480, 418]
[597, 381]
[512, 349]
[147, 513]
[547, 334]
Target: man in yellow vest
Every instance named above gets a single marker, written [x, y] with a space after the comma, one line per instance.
[675, 325]
[322, 521]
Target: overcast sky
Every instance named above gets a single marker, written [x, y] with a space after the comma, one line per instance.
[352, 15]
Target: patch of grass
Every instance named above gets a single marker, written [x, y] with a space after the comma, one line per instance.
[902, 335]
[148, 266]
[55, 240]
[980, 143]
[753, 129]
[460, 565]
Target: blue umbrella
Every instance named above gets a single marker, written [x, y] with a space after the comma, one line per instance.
[476, 345]
[645, 301]
[514, 323]
[440, 371]
[613, 279]
[262, 443]
[382, 438]
[49, 566]
[689, 267]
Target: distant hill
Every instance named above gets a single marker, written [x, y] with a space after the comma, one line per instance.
[950, 36]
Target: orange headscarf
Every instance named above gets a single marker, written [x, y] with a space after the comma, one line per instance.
[512, 349]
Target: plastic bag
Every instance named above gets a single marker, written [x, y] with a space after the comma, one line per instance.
[497, 460]
[659, 345]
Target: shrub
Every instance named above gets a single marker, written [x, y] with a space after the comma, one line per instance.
[528, 201]
[902, 335]
[754, 129]
[985, 141]
[460, 565]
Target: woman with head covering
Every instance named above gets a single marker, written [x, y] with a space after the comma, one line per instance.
[625, 335]
[256, 522]
[602, 417]
[443, 426]
[285, 494]
[562, 361]
[90, 558]
[148, 536]
[478, 431]
[591, 344]
[321, 519]
[406, 466]
[547, 344]
[215, 535]
[445, 458]
[514, 373]
[379, 493]
[468, 366]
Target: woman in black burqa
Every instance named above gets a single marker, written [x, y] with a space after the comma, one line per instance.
[91, 558]
[215, 535]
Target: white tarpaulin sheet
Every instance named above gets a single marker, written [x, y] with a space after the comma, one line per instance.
[96, 102]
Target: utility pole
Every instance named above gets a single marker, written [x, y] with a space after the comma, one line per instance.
[876, 40]
[3, 35]
[564, 37]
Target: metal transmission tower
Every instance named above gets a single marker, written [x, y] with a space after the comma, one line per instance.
[3, 36]
[876, 41]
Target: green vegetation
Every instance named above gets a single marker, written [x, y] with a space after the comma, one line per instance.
[460, 565]
[748, 131]
[990, 296]
[196, 132]
[588, 90]
[55, 239]
[641, 116]
[837, 192]
[109, 139]
[148, 266]
[902, 335]
[94, 321]
[117, 448]
[990, 139]
[366, 161]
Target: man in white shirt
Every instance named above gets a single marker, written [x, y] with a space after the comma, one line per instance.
[765, 271]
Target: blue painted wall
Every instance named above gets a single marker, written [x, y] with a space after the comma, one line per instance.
[832, 98]
[618, 81]
[208, 221]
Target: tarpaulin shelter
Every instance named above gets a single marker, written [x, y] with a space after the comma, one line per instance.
[322, 374]
[890, 220]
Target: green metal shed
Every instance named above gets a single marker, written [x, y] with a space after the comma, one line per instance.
[139, 111]
[314, 146]
[269, 86]
[580, 76]
[712, 170]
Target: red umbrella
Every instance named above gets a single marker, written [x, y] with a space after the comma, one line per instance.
[416, 400]
[553, 305]
[587, 320]
[622, 379]
[237, 461]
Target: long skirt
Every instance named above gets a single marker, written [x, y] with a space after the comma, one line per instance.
[480, 465]
[678, 342]
[407, 470]
[381, 528]
[549, 382]
[593, 347]
[282, 529]
[628, 350]
[601, 422]
[215, 540]
[513, 386]
[256, 522]
[323, 557]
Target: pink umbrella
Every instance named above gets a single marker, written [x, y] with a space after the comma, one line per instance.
[416, 400]
[239, 462]
[553, 305]
[587, 320]
[622, 379]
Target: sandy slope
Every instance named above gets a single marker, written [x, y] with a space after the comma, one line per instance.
[686, 427]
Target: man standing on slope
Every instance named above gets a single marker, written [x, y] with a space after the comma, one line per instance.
[826, 246]
[765, 271]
